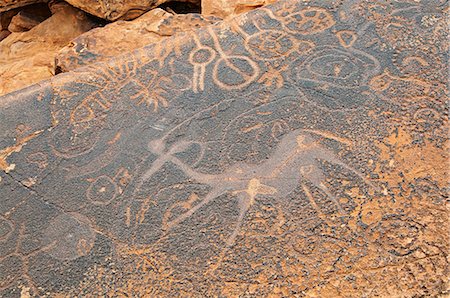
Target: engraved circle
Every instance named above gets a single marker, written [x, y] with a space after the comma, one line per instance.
[202, 56]
[102, 190]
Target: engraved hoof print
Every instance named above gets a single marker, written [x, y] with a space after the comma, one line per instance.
[235, 72]
[334, 67]
[102, 190]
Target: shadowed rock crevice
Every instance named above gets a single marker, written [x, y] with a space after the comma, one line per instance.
[179, 7]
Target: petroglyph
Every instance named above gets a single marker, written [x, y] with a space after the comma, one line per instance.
[346, 38]
[299, 149]
[6, 228]
[17, 263]
[297, 157]
[20, 142]
[232, 71]
[309, 21]
[69, 236]
[200, 57]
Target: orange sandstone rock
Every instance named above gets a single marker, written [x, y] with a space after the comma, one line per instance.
[28, 57]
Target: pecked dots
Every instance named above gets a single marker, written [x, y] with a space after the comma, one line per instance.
[102, 190]
[69, 236]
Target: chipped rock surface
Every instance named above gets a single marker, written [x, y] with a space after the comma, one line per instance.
[298, 150]
[28, 57]
[120, 37]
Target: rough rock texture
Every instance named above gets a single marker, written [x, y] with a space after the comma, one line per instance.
[6, 5]
[297, 150]
[5, 19]
[123, 36]
[4, 34]
[23, 18]
[119, 9]
[28, 57]
[227, 8]
[22, 22]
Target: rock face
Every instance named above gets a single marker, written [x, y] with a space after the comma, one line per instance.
[296, 150]
[28, 57]
[22, 19]
[5, 19]
[22, 22]
[227, 8]
[120, 37]
[118, 9]
[6, 5]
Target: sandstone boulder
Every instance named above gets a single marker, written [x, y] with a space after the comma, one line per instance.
[23, 21]
[28, 57]
[6, 5]
[225, 8]
[106, 42]
[119, 9]
[5, 19]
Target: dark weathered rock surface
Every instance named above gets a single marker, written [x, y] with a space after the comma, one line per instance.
[297, 150]
[120, 37]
